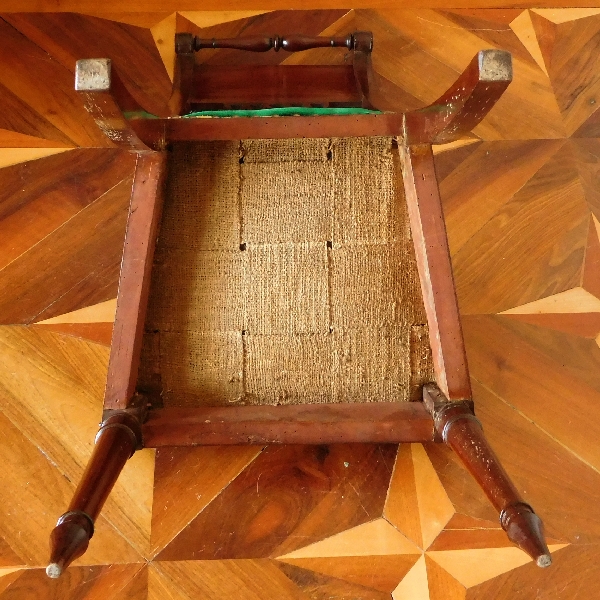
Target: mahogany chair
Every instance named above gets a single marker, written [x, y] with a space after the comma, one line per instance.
[136, 413]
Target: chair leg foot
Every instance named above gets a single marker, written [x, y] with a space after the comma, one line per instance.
[68, 541]
[525, 529]
[458, 427]
[118, 438]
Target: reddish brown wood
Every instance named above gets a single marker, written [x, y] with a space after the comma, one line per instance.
[134, 281]
[361, 63]
[271, 85]
[290, 424]
[435, 271]
[290, 43]
[117, 440]
[93, 82]
[158, 132]
[465, 104]
[68, 541]
[274, 85]
[67, 37]
[362, 73]
[183, 75]
[458, 427]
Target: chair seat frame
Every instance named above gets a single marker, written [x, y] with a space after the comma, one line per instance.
[446, 413]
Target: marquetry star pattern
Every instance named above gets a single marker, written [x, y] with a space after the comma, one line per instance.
[522, 211]
[422, 546]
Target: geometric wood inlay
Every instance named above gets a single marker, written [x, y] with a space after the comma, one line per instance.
[522, 203]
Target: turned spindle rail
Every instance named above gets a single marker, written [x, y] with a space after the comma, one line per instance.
[290, 43]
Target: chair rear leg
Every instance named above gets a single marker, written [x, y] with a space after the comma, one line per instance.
[456, 424]
[118, 438]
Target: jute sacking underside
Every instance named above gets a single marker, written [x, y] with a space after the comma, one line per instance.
[285, 273]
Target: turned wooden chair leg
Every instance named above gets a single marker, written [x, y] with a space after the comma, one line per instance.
[458, 427]
[118, 438]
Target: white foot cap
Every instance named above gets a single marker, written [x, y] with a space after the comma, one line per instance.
[544, 560]
[53, 570]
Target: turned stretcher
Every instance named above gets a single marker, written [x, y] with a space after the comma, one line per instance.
[338, 101]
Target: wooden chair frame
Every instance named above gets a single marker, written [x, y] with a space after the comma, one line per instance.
[446, 412]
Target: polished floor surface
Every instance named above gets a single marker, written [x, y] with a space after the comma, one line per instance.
[369, 522]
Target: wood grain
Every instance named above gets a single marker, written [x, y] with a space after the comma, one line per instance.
[22, 119]
[517, 367]
[13, 139]
[375, 538]
[46, 86]
[374, 555]
[575, 570]
[471, 200]
[76, 265]
[144, 210]
[38, 197]
[586, 155]
[113, 7]
[518, 215]
[152, 131]
[464, 493]
[207, 18]
[590, 279]
[103, 312]
[531, 248]
[69, 375]
[489, 562]
[442, 585]
[435, 271]
[68, 37]
[415, 41]
[381, 572]
[187, 480]
[13, 156]
[414, 585]
[100, 333]
[572, 63]
[323, 587]
[417, 504]
[220, 579]
[290, 508]
[29, 511]
[470, 539]
[570, 302]
[547, 477]
[85, 583]
[310, 423]
[163, 34]
[402, 497]
[306, 22]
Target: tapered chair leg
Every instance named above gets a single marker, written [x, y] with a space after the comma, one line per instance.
[118, 438]
[456, 424]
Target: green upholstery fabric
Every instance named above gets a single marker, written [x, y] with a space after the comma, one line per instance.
[281, 112]
[264, 112]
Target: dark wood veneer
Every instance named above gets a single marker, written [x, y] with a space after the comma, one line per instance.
[290, 424]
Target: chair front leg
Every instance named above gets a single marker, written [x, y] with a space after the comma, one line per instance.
[118, 438]
[458, 427]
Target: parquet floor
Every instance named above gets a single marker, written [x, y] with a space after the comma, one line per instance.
[368, 522]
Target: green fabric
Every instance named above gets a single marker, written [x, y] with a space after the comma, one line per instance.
[263, 112]
[138, 114]
[282, 111]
